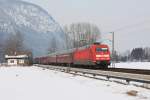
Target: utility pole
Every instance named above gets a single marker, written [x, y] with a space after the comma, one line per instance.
[113, 49]
[73, 39]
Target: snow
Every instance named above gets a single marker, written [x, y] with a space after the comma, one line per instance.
[34, 83]
[133, 65]
[17, 56]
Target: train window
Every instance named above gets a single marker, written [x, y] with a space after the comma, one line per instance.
[101, 49]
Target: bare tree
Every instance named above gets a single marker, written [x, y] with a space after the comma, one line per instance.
[14, 43]
[82, 33]
[53, 47]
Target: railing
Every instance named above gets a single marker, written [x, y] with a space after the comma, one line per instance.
[137, 79]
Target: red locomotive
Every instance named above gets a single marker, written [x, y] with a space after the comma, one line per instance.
[95, 55]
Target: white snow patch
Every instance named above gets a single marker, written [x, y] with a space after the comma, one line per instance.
[33, 83]
[133, 65]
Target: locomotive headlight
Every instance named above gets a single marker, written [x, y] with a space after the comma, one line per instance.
[98, 55]
[105, 55]
[102, 55]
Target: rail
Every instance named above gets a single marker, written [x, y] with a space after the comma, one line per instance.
[109, 75]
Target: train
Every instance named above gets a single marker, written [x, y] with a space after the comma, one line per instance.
[96, 55]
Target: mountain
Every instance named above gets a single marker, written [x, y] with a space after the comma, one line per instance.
[38, 28]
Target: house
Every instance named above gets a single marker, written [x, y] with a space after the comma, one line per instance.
[18, 59]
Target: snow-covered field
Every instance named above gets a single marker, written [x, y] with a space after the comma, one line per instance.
[33, 83]
[133, 65]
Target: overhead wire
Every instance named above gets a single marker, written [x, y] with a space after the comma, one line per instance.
[132, 25]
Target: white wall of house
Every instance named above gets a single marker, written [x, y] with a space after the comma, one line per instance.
[12, 62]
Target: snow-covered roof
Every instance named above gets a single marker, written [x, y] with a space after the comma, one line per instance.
[15, 56]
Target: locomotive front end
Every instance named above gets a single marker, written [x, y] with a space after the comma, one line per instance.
[102, 55]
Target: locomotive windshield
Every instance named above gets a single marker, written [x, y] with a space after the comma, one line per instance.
[101, 49]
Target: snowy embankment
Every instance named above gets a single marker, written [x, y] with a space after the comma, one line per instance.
[33, 83]
[133, 65]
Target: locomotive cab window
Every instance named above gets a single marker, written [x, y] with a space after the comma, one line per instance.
[101, 49]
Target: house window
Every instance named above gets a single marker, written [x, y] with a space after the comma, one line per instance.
[21, 61]
[11, 61]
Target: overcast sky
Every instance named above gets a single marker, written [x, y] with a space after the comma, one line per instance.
[129, 19]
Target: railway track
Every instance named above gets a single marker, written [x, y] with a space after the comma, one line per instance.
[123, 70]
[133, 71]
[128, 76]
